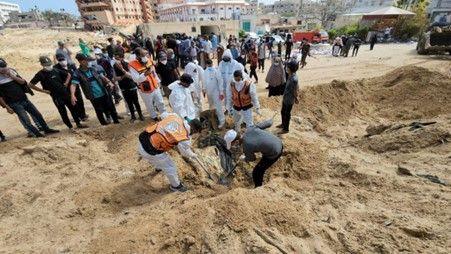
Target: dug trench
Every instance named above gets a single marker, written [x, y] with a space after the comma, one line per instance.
[337, 189]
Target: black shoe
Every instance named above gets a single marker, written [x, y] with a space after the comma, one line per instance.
[132, 120]
[116, 122]
[120, 117]
[81, 126]
[141, 118]
[180, 188]
[51, 131]
[2, 138]
[283, 132]
[279, 126]
[155, 119]
[85, 118]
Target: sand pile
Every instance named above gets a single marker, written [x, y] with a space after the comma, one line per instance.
[406, 93]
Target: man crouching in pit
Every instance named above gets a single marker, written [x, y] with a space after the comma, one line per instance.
[157, 139]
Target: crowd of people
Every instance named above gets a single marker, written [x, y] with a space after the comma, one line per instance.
[106, 75]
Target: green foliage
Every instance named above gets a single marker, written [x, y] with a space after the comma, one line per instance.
[50, 15]
[241, 33]
[353, 29]
[408, 27]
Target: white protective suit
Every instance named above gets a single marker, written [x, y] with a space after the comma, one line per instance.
[228, 68]
[181, 101]
[164, 162]
[246, 115]
[150, 99]
[213, 87]
[196, 72]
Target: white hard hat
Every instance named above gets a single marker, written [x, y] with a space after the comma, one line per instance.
[229, 137]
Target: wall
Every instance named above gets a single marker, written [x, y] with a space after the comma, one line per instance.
[229, 27]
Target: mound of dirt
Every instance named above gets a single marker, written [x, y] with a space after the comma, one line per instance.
[406, 93]
[403, 138]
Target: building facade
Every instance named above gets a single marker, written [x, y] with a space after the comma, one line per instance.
[5, 9]
[204, 10]
[27, 19]
[97, 14]
[283, 7]
[440, 11]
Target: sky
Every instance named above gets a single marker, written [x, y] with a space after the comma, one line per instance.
[67, 5]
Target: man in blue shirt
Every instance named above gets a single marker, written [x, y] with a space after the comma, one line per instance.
[93, 86]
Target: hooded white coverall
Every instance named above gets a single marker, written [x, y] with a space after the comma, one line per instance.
[228, 68]
[152, 98]
[240, 115]
[181, 101]
[213, 87]
[196, 72]
[164, 162]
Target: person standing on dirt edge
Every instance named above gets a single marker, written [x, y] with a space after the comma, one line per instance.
[94, 87]
[142, 70]
[157, 139]
[290, 96]
[70, 68]
[13, 97]
[257, 140]
[57, 84]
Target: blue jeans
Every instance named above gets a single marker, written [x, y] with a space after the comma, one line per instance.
[23, 107]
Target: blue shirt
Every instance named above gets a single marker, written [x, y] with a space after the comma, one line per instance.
[95, 87]
[214, 41]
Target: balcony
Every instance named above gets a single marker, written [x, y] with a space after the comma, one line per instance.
[95, 4]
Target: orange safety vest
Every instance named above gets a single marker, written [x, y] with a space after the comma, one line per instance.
[242, 100]
[151, 83]
[167, 133]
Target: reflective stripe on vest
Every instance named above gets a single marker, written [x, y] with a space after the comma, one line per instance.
[151, 83]
[242, 100]
[168, 133]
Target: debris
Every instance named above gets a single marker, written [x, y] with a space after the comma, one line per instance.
[388, 223]
[418, 125]
[269, 241]
[404, 171]
[418, 233]
[376, 129]
[433, 179]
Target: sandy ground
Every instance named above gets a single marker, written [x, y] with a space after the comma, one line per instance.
[355, 176]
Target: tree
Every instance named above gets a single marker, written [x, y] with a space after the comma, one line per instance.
[324, 10]
[407, 27]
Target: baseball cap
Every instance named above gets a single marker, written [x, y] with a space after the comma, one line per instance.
[45, 61]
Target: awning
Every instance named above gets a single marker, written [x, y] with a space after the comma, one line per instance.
[390, 11]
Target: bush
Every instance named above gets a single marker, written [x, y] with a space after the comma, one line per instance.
[241, 34]
[354, 29]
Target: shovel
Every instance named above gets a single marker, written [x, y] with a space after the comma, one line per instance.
[204, 168]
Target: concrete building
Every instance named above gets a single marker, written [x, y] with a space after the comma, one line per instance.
[439, 10]
[27, 19]
[5, 9]
[204, 10]
[283, 7]
[98, 14]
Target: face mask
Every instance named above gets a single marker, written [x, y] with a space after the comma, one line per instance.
[63, 63]
[144, 60]
[48, 68]
[91, 64]
[164, 62]
[226, 59]
[173, 56]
